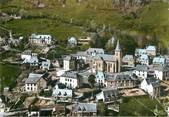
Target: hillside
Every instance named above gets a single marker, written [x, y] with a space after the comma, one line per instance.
[148, 22]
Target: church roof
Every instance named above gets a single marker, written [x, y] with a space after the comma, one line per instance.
[118, 46]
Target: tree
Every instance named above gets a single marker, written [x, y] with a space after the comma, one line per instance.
[23, 13]
[102, 109]
[92, 80]
[109, 46]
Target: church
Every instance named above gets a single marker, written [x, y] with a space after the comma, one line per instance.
[99, 61]
[107, 62]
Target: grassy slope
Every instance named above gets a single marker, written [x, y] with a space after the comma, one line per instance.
[140, 106]
[152, 18]
[9, 73]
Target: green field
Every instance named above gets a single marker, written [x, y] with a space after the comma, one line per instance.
[141, 106]
[8, 74]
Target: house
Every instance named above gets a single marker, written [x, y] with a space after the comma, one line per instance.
[85, 109]
[2, 41]
[40, 40]
[151, 51]
[162, 72]
[70, 79]
[31, 60]
[108, 95]
[57, 63]
[84, 76]
[101, 78]
[141, 71]
[2, 106]
[80, 64]
[62, 95]
[27, 54]
[167, 58]
[128, 61]
[139, 52]
[151, 86]
[84, 40]
[94, 51]
[45, 64]
[159, 60]
[72, 41]
[35, 82]
[121, 80]
[69, 63]
[143, 59]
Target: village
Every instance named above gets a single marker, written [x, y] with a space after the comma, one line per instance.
[85, 83]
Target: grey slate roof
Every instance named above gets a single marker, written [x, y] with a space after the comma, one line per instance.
[108, 57]
[128, 58]
[62, 92]
[155, 82]
[70, 74]
[105, 57]
[33, 78]
[110, 93]
[119, 77]
[68, 58]
[141, 68]
[95, 50]
[86, 107]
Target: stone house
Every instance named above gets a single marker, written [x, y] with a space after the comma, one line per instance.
[71, 79]
[40, 40]
[151, 86]
[108, 95]
[121, 81]
[35, 82]
[85, 109]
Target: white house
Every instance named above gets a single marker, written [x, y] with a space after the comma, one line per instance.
[151, 50]
[128, 61]
[69, 63]
[151, 86]
[101, 78]
[162, 72]
[139, 52]
[108, 95]
[35, 82]
[70, 79]
[62, 95]
[94, 51]
[2, 106]
[26, 55]
[41, 40]
[141, 71]
[159, 60]
[46, 64]
[143, 59]
[72, 41]
[32, 60]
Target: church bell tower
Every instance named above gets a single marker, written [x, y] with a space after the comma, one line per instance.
[118, 55]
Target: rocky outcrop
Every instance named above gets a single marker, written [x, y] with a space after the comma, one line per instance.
[129, 3]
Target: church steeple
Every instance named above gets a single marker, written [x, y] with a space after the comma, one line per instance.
[118, 55]
[118, 46]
